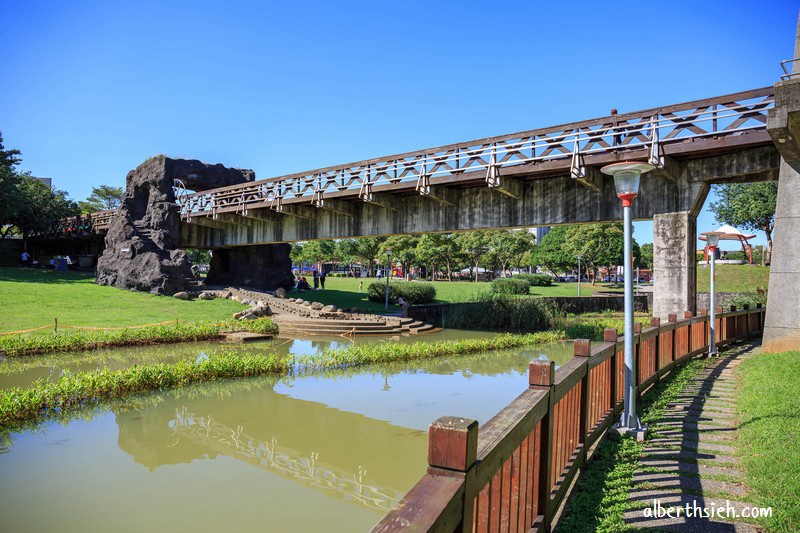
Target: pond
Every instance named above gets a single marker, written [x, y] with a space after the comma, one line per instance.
[331, 451]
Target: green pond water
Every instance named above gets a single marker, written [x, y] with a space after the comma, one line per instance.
[332, 451]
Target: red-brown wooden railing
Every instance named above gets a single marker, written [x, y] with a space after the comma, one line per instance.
[514, 473]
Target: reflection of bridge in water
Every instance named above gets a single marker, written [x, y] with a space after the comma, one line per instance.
[286, 462]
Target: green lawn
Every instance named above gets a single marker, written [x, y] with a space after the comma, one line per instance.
[734, 278]
[343, 292]
[30, 298]
[769, 435]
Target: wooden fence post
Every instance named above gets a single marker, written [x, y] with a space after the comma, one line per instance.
[637, 356]
[583, 348]
[542, 375]
[452, 450]
[672, 317]
[746, 307]
[689, 339]
[655, 322]
[610, 335]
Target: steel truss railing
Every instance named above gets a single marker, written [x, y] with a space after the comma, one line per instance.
[724, 116]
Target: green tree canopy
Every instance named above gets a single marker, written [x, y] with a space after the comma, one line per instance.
[475, 245]
[102, 198]
[403, 248]
[39, 209]
[749, 206]
[553, 252]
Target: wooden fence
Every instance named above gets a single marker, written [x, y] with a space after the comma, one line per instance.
[514, 473]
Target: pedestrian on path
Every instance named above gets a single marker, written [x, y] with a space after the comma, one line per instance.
[322, 281]
[316, 280]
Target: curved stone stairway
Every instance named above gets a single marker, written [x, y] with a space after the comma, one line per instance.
[295, 318]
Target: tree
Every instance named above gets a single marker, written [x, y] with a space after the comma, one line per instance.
[9, 185]
[510, 247]
[646, 256]
[404, 250]
[199, 257]
[598, 245]
[439, 249]
[316, 252]
[553, 253]
[40, 209]
[749, 206]
[475, 246]
[102, 198]
[365, 249]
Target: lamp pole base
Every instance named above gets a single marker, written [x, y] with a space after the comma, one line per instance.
[636, 430]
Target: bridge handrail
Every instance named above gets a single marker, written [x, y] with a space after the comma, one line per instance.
[518, 468]
[727, 115]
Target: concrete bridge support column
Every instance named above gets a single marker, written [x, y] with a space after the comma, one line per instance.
[674, 263]
[782, 323]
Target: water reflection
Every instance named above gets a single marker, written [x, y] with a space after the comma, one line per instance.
[333, 450]
[22, 371]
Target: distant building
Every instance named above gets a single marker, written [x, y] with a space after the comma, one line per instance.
[46, 181]
[540, 233]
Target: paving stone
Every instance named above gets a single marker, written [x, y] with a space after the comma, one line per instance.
[691, 444]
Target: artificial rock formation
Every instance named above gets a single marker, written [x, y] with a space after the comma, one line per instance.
[266, 266]
[142, 244]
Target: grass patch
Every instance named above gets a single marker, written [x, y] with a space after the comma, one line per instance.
[769, 435]
[343, 292]
[600, 497]
[22, 408]
[42, 399]
[32, 297]
[733, 278]
[385, 352]
[15, 345]
[593, 325]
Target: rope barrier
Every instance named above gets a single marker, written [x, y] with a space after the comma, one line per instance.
[90, 328]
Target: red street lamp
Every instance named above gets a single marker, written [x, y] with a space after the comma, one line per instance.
[712, 241]
[626, 180]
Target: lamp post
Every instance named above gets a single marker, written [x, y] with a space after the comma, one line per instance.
[626, 180]
[712, 240]
[388, 268]
[579, 274]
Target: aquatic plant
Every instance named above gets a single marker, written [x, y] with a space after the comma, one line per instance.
[89, 339]
[391, 352]
[44, 398]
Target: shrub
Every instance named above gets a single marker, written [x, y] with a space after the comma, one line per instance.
[748, 298]
[536, 280]
[505, 313]
[510, 286]
[411, 292]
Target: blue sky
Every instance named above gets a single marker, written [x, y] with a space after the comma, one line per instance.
[91, 89]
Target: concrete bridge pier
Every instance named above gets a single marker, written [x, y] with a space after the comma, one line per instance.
[674, 263]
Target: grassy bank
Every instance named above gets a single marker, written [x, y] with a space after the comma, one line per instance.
[343, 292]
[16, 345]
[600, 497]
[769, 435]
[30, 298]
[43, 398]
[22, 407]
[733, 278]
[385, 352]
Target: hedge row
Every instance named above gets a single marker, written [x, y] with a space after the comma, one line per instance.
[411, 292]
[536, 280]
[510, 286]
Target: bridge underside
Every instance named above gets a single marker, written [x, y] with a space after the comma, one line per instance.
[517, 202]
[672, 197]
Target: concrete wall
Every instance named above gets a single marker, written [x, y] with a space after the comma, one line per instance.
[433, 313]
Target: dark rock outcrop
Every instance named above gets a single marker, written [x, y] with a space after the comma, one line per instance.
[265, 266]
[142, 244]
